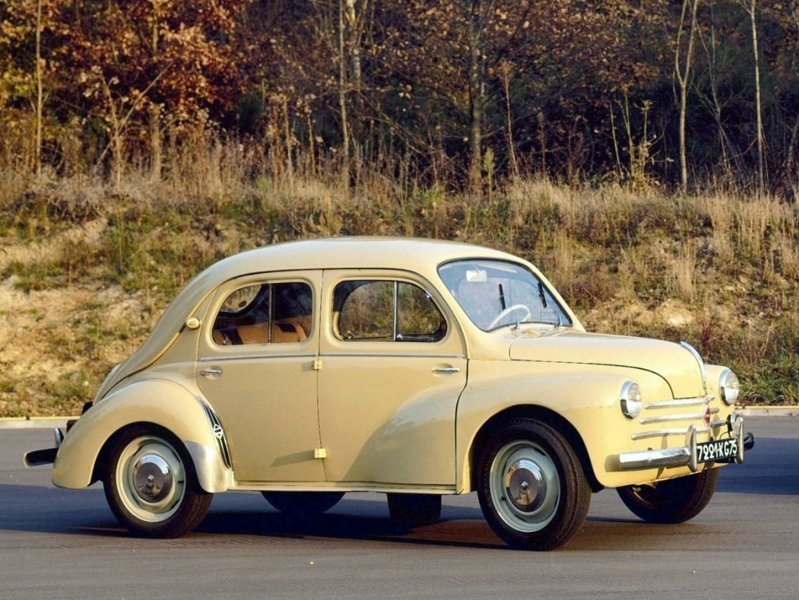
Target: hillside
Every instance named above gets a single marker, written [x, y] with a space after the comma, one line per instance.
[86, 268]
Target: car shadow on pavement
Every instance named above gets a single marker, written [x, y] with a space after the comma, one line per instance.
[246, 516]
[767, 469]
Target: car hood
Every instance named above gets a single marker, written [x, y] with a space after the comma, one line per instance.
[674, 363]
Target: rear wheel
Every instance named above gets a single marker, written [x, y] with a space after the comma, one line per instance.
[300, 505]
[672, 501]
[531, 486]
[151, 486]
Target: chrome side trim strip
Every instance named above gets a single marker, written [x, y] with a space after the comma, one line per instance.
[699, 361]
[224, 358]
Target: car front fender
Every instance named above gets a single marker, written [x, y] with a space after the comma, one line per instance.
[584, 396]
[154, 401]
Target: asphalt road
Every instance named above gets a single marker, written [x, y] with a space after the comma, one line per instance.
[64, 543]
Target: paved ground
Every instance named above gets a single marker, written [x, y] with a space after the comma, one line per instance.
[59, 543]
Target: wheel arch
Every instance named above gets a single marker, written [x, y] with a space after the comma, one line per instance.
[537, 413]
[159, 404]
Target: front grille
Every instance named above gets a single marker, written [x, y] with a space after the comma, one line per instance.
[659, 419]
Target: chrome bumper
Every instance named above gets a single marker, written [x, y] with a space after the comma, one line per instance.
[685, 455]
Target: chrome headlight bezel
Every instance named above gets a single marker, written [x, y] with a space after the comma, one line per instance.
[729, 387]
[630, 400]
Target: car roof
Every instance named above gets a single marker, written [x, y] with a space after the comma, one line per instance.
[352, 252]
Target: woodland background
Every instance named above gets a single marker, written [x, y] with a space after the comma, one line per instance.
[643, 153]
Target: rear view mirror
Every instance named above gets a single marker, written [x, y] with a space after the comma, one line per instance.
[476, 276]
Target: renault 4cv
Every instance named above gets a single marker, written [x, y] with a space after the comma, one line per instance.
[414, 368]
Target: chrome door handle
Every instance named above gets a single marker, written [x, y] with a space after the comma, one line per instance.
[211, 373]
[447, 370]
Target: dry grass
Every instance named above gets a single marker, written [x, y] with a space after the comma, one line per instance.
[719, 269]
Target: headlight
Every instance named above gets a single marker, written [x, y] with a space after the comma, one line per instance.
[729, 387]
[630, 399]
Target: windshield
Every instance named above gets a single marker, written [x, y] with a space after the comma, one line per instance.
[497, 293]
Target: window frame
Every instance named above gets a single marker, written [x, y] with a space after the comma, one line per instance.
[396, 336]
[230, 287]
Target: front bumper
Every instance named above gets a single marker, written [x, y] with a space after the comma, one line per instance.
[687, 454]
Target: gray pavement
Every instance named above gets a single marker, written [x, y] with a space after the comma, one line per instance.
[63, 543]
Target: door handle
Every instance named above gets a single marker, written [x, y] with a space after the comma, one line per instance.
[447, 370]
[211, 372]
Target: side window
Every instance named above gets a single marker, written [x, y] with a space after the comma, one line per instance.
[368, 310]
[269, 313]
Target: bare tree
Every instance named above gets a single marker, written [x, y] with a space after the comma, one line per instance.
[342, 97]
[682, 72]
[751, 10]
[730, 154]
[477, 13]
[37, 153]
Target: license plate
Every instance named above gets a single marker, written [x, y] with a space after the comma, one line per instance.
[716, 450]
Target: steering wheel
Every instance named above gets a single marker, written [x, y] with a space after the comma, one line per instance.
[512, 308]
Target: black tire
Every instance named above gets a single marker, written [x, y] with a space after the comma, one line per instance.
[533, 462]
[414, 510]
[151, 486]
[303, 505]
[673, 501]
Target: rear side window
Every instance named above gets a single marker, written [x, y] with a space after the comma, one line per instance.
[379, 310]
[268, 313]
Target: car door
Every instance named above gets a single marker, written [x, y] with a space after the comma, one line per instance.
[392, 367]
[256, 368]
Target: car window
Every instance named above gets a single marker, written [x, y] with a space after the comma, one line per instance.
[377, 310]
[496, 294]
[268, 313]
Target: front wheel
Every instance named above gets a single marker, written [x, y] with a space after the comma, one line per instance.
[531, 486]
[672, 501]
[151, 486]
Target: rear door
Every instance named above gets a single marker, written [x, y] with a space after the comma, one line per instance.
[256, 368]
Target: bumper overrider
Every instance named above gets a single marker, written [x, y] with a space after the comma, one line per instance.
[47, 456]
[727, 448]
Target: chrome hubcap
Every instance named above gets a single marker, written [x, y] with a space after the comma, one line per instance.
[524, 486]
[152, 478]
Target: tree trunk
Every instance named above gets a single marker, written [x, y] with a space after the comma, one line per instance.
[474, 38]
[761, 162]
[342, 99]
[156, 148]
[683, 74]
[37, 151]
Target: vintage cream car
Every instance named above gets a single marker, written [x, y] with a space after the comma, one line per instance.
[417, 368]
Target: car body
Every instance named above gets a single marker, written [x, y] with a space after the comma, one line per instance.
[417, 368]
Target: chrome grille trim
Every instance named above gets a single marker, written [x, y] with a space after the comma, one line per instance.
[668, 418]
[673, 403]
[664, 432]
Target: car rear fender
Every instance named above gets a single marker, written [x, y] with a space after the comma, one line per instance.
[160, 403]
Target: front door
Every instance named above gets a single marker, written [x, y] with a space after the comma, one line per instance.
[392, 369]
[256, 367]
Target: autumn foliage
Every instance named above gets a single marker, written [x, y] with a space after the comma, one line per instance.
[456, 91]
